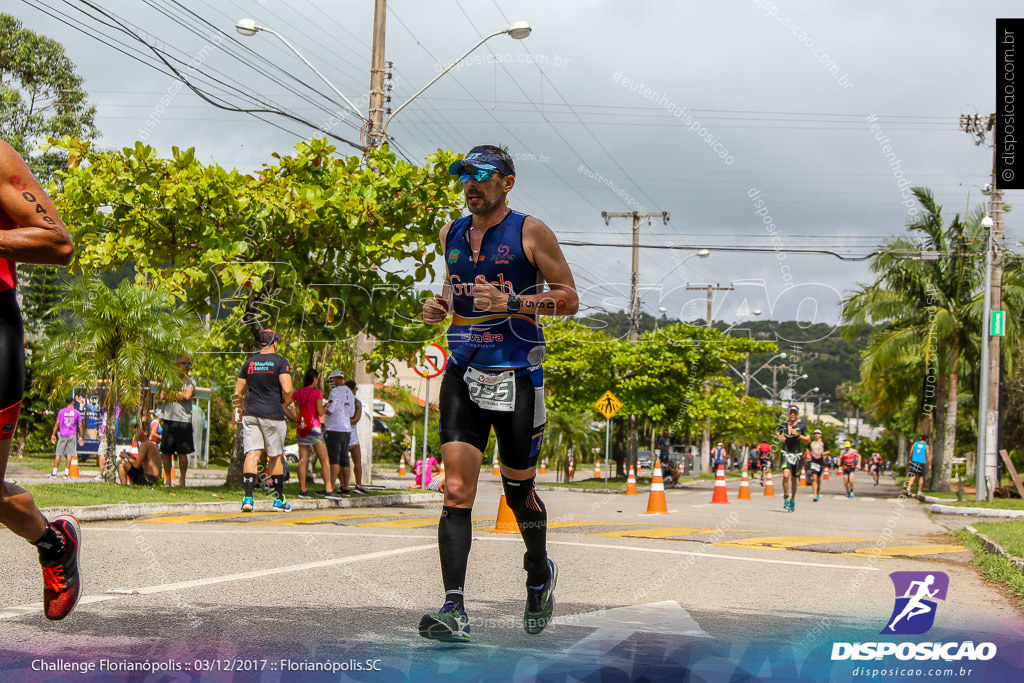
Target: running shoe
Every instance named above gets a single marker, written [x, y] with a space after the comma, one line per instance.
[61, 583]
[282, 505]
[304, 493]
[785, 503]
[360, 489]
[247, 505]
[540, 603]
[449, 625]
[53, 475]
[816, 499]
[332, 495]
[852, 495]
[792, 505]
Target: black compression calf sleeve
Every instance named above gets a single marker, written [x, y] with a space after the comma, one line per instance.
[454, 538]
[532, 517]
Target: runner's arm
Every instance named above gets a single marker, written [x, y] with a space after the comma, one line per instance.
[236, 399]
[41, 236]
[437, 308]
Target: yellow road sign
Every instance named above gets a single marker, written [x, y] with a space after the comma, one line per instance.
[608, 405]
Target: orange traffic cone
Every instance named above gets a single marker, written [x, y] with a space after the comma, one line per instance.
[174, 478]
[506, 522]
[744, 487]
[544, 466]
[656, 504]
[824, 477]
[497, 471]
[769, 490]
[597, 470]
[73, 468]
[803, 478]
[401, 466]
[721, 494]
[571, 470]
[442, 468]
[631, 483]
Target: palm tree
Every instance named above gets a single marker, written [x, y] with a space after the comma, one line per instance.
[933, 313]
[569, 432]
[120, 339]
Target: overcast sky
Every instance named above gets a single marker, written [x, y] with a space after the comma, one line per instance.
[710, 110]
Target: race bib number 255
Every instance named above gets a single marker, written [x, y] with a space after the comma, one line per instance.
[492, 390]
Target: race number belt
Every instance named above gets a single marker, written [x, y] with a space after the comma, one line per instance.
[792, 458]
[492, 390]
[815, 467]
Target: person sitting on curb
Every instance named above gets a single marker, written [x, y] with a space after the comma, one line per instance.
[141, 468]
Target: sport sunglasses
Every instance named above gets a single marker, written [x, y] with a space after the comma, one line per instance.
[479, 175]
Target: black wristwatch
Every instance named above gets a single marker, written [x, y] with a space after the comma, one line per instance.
[514, 304]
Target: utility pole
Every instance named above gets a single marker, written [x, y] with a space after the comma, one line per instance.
[705, 437]
[991, 360]
[376, 113]
[632, 438]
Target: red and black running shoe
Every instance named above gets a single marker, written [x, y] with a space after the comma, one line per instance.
[61, 583]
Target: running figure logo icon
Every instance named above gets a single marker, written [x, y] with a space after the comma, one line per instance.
[916, 592]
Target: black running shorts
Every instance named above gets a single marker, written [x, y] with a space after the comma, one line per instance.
[12, 351]
[519, 431]
[917, 469]
[337, 448]
[177, 438]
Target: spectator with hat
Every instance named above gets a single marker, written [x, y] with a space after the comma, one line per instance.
[338, 429]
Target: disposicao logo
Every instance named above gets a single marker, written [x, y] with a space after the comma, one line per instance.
[913, 614]
[916, 592]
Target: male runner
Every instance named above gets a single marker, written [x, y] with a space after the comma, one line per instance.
[816, 463]
[849, 458]
[177, 412]
[920, 461]
[268, 378]
[764, 458]
[497, 260]
[791, 433]
[876, 466]
[30, 232]
[66, 435]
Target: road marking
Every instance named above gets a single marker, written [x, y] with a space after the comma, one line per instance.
[787, 542]
[716, 556]
[617, 625]
[186, 518]
[19, 610]
[912, 550]
[662, 532]
[294, 520]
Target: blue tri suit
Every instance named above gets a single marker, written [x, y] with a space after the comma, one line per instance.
[494, 377]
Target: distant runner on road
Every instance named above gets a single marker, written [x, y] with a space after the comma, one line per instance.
[792, 434]
[816, 464]
[849, 458]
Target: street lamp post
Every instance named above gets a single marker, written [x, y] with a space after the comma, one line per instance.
[983, 484]
[248, 28]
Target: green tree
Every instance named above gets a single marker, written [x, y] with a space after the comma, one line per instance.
[933, 311]
[41, 96]
[119, 339]
[568, 433]
[318, 247]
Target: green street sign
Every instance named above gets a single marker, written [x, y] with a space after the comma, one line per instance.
[998, 328]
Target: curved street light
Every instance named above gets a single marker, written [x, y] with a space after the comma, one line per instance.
[517, 31]
[248, 27]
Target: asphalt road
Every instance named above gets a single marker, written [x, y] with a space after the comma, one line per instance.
[718, 589]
